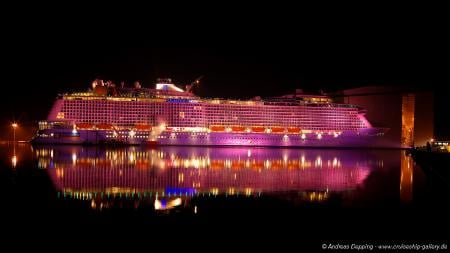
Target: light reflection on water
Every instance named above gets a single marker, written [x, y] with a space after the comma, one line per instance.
[169, 177]
[187, 190]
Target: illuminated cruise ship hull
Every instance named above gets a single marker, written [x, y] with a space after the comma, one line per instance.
[174, 117]
[345, 139]
[269, 140]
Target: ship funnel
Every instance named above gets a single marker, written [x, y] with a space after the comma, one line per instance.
[97, 82]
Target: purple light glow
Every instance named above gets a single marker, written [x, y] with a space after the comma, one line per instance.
[203, 170]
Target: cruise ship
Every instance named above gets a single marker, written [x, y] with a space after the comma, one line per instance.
[169, 115]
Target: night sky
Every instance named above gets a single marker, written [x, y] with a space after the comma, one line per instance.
[240, 55]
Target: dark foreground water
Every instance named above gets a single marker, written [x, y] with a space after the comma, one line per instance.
[288, 196]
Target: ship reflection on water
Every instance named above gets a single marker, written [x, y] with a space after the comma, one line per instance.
[176, 177]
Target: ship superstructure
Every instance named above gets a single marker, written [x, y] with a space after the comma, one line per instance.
[169, 115]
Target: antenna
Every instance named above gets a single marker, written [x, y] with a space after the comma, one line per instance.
[190, 86]
[196, 81]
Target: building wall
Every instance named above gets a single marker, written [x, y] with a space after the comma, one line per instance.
[408, 105]
[385, 108]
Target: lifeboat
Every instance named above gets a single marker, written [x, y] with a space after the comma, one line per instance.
[143, 127]
[277, 129]
[217, 164]
[258, 129]
[102, 162]
[238, 129]
[237, 164]
[276, 165]
[293, 164]
[257, 165]
[294, 130]
[84, 126]
[217, 128]
[104, 126]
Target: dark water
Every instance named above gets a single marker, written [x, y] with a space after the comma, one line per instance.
[323, 194]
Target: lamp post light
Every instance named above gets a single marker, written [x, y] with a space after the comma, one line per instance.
[14, 158]
[14, 126]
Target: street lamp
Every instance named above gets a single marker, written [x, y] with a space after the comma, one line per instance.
[14, 126]
[14, 158]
